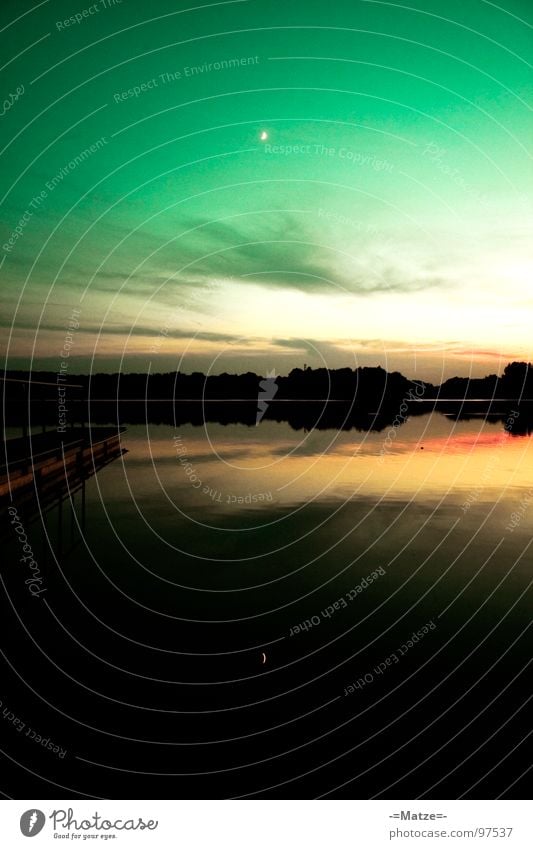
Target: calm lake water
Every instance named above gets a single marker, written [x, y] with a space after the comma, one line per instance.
[237, 616]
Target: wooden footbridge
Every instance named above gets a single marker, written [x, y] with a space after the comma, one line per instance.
[41, 470]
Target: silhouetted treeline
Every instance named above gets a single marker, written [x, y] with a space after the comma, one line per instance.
[516, 382]
[374, 385]
[366, 386]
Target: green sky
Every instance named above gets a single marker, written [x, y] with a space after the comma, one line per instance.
[255, 185]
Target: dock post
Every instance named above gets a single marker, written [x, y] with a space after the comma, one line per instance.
[83, 506]
[60, 529]
[72, 513]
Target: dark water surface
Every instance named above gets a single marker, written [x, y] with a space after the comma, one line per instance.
[236, 617]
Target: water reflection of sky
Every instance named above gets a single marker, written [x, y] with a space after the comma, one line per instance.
[268, 505]
[238, 467]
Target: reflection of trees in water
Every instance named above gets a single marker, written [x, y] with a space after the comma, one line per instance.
[364, 399]
[299, 415]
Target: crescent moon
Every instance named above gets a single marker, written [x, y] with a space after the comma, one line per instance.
[264, 657]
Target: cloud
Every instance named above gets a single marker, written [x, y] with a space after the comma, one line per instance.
[278, 250]
[270, 249]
